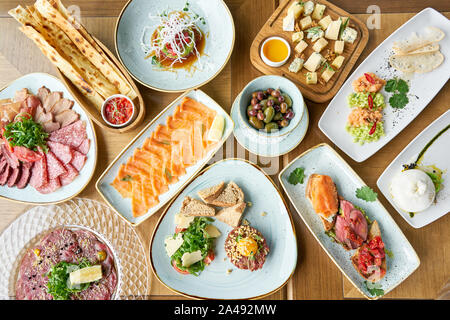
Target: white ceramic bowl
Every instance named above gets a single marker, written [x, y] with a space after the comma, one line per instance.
[122, 124]
[275, 82]
[270, 62]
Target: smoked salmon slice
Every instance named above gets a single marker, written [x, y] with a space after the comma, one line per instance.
[165, 155]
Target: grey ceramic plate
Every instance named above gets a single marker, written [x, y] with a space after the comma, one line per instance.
[218, 28]
[276, 226]
[322, 159]
[123, 206]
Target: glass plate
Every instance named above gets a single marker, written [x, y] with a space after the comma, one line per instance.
[30, 227]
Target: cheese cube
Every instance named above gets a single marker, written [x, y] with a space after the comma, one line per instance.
[339, 47]
[333, 28]
[318, 11]
[337, 62]
[297, 36]
[296, 65]
[301, 46]
[320, 44]
[311, 78]
[296, 9]
[172, 245]
[325, 22]
[327, 74]
[305, 22]
[289, 22]
[309, 8]
[349, 35]
[314, 61]
[314, 33]
[189, 258]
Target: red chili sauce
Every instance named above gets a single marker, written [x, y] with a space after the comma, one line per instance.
[118, 110]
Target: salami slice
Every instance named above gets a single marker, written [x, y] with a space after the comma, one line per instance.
[14, 176]
[39, 175]
[25, 176]
[4, 176]
[51, 186]
[10, 157]
[72, 135]
[78, 160]
[55, 167]
[71, 173]
[84, 147]
[61, 151]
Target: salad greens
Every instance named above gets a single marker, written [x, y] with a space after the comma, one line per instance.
[58, 279]
[195, 238]
[26, 133]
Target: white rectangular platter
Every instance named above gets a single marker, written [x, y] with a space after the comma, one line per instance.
[322, 159]
[438, 154]
[33, 82]
[123, 206]
[422, 88]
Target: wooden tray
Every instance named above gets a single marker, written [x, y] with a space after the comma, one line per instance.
[93, 112]
[318, 92]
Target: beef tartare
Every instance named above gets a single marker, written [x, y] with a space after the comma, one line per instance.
[246, 248]
[46, 270]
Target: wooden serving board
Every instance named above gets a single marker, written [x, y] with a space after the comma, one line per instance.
[318, 92]
[92, 110]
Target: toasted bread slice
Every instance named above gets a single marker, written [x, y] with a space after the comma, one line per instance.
[232, 215]
[194, 207]
[321, 192]
[373, 232]
[229, 196]
[211, 193]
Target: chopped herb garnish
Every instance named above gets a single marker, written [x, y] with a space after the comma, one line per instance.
[26, 133]
[366, 193]
[127, 178]
[389, 253]
[297, 176]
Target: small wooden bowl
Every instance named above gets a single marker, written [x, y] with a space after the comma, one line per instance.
[93, 112]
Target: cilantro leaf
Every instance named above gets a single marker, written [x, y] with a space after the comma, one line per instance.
[402, 86]
[391, 85]
[374, 289]
[297, 176]
[366, 193]
[398, 100]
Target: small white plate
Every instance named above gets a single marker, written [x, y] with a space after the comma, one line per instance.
[322, 159]
[438, 154]
[33, 82]
[263, 146]
[422, 88]
[123, 206]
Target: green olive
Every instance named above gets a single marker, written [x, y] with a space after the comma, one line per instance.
[269, 113]
[275, 100]
[256, 123]
[287, 99]
[263, 103]
[249, 108]
[271, 126]
[278, 116]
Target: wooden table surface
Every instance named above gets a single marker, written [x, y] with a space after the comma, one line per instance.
[316, 277]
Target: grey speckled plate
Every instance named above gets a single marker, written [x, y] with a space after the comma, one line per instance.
[322, 159]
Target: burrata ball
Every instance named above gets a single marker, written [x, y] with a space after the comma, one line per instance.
[413, 190]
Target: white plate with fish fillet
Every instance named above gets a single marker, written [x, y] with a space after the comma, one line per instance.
[422, 88]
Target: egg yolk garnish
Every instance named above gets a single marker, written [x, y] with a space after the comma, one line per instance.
[247, 246]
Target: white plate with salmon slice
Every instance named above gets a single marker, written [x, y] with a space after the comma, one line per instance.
[401, 257]
[71, 165]
[163, 157]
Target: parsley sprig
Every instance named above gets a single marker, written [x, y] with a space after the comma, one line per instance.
[297, 176]
[399, 88]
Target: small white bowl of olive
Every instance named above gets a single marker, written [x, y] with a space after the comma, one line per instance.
[271, 105]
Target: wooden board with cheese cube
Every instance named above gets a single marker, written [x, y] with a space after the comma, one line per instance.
[325, 41]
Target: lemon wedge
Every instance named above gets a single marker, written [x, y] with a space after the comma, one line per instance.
[216, 131]
[86, 275]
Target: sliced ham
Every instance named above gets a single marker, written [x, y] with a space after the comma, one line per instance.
[14, 176]
[72, 135]
[85, 146]
[51, 186]
[9, 111]
[61, 106]
[61, 151]
[3, 164]
[41, 116]
[21, 95]
[78, 160]
[50, 126]
[54, 167]
[354, 218]
[71, 173]
[10, 157]
[51, 100]
[66, 117]
[43, 93]
[5, 175]
[25, 175]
